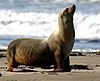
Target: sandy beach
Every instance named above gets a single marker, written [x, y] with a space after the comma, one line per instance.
[84, 68]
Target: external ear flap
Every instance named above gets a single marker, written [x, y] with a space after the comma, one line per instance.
[60, 14]
[72, 9]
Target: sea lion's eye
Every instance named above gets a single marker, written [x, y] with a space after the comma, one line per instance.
[60, 16]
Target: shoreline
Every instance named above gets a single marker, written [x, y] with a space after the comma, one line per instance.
[84, 67]
[77, 52]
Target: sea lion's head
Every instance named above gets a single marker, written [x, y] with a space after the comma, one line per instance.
[66, 16]
[68, 11]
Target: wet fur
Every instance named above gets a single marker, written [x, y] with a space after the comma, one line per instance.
[29, 52]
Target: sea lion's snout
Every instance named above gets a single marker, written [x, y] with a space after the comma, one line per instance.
[72, 9]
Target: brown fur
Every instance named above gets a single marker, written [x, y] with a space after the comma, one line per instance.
[40, 52]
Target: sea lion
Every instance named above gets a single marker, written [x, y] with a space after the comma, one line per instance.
[54, 50]
[62, 40]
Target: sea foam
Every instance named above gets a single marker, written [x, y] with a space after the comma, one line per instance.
[39, 18]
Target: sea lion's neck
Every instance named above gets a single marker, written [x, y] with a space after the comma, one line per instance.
[65, 29]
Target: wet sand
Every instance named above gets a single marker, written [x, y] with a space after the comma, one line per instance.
[84, 68]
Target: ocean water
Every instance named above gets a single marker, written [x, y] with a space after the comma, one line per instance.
[38, 18]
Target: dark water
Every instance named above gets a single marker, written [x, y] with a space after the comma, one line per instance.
[86, 45]
[79, 43]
